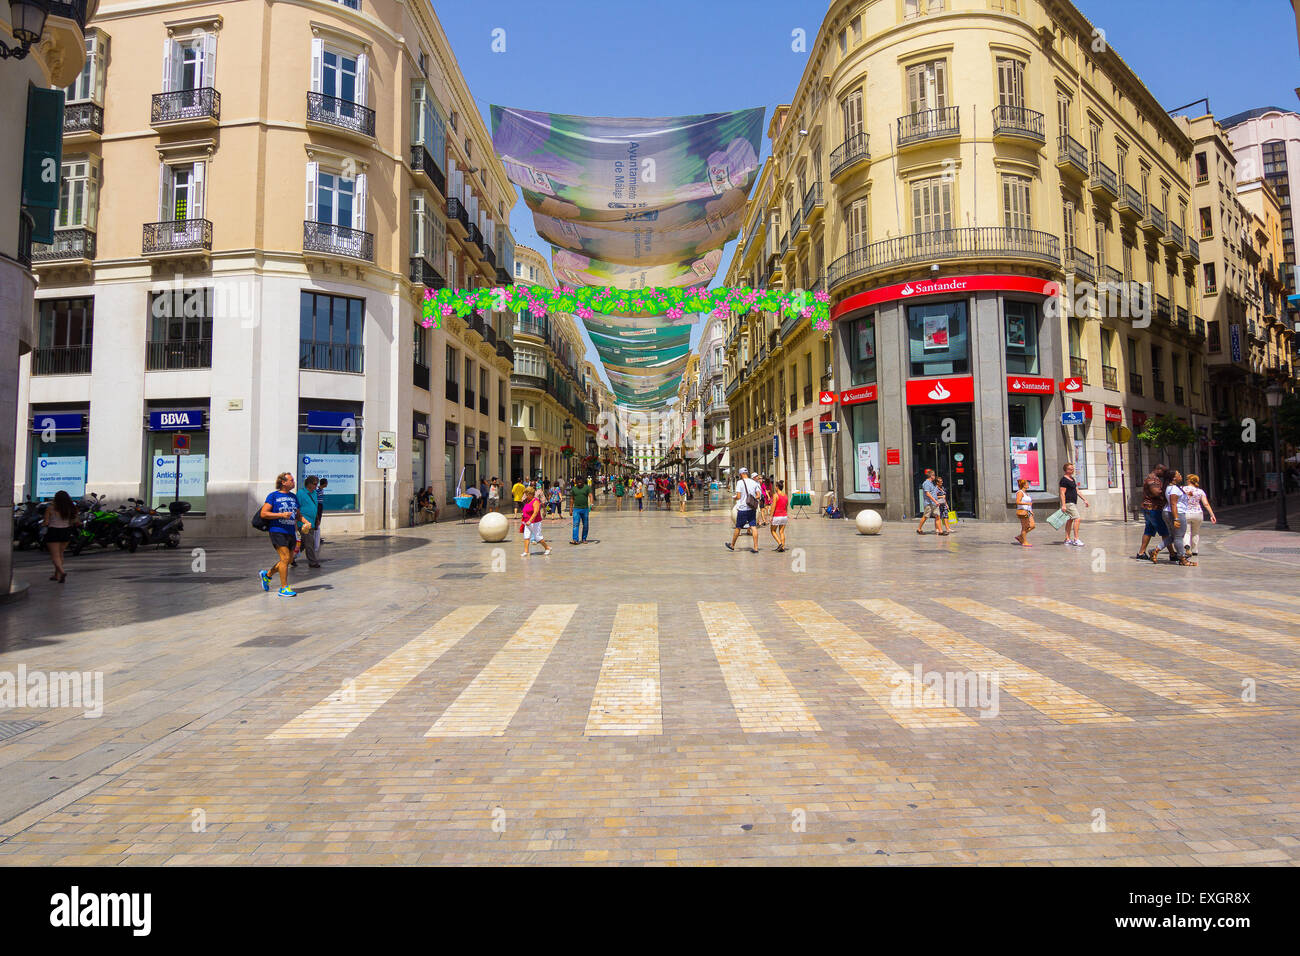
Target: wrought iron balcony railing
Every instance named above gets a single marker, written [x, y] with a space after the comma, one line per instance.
[172, 356]
[61, 360]
[68, 245]
[978, 242]
[457, 215]
[181, 235]
[1110, 378]
[344, 114]
[849, 153]
[1071, 154]
[83, 118]
[1079, 368]
[335, 240]
[1130, 202]
[928, 124]
[1020, 122]
[1080, 263]
[331, 356]
[422, 161]
[812, 199]
[424, 272]
[1103, 180]
[181, 106]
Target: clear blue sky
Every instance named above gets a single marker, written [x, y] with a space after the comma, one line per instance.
[672, 57]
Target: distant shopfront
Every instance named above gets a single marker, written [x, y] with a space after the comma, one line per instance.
[329, 447]
[58, 453]
[946, 375]
[176, 455]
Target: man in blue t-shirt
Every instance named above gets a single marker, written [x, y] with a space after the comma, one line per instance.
[929, 503]
[282, 518]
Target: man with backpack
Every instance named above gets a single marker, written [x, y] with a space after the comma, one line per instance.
[748, 495]
[279, 515]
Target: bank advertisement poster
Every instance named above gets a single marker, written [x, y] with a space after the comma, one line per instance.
[1080, 464]
[1025, 463]
[866, 341]
[194, 477]
[936, 333]
[1016, 334]
[65, 473]
[869, 467]
[343, 471]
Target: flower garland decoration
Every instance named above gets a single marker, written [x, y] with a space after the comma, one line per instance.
[587, 302]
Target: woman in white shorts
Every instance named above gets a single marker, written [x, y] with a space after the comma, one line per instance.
[1195, 507]
[531, 526]
[780, 514]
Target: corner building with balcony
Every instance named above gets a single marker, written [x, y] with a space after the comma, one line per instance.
[255, 198]
[962, 167]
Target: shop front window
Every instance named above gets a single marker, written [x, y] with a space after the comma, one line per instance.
[1021, 337]
[336, 456]
[938, 336]
[161, 472]
[862, 351]
[867, 467]
[57, 464]
[1025, 424]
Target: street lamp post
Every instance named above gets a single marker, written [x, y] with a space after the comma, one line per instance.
[1274, 395]
[568, 432]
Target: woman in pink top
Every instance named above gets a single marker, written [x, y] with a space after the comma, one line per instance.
[1195, 507]
[531, 526]
[780, 515]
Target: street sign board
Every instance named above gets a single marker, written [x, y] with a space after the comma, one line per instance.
[828, 428]
[180, 444]
[387, 450]
[1072, 418]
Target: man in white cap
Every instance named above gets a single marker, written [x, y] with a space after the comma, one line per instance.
[748, 495]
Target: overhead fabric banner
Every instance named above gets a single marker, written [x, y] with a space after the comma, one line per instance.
[634, 203]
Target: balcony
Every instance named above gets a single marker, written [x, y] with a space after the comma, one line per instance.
[423, 273]
[1192, 251]
[849, 155]
[813, 203]
[506, 351]
[452, 392]
[978, 243]
[475, 240]
[69, 245]
[1199, 327]
[424, 165]
[1079, 368]
[1102, 182]
[1080, 263]
[503, 276]
[797, 225]
[1110, 378]
[457, 218]
[180, 108]
[179, 237]
[331, 240]
[74, 10]
[474, 322]
[62, 360]
[177, 355]
[1154, 222]
[1071, 156]
[791, 323]
[484, 406]
[420, 375]
[1131, 206]
[83, 119]
[1158, 389]
[331, 357]
[1178, 395]
[469, 399]
[1018, 123]
[490, 259]
[927, 126]
[807, 394]
[1164, 311]
[334, 114]
[1111, 276]
[1175, 240]
[490, 335]
[785, 245]
[1182, 320]
[1135, 383]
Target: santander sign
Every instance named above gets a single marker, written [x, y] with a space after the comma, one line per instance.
[941, 391]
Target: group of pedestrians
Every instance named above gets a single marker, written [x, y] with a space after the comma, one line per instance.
[1173, 508]
[752, 499]
[534, 507]
[293, 522]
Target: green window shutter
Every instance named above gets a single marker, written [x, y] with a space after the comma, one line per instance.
[43, 150]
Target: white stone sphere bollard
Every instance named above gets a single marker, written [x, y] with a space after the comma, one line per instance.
[869, 522]
[493, 526]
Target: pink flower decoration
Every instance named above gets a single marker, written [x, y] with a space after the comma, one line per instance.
[821, 296]
[446, 310]
[806, 312]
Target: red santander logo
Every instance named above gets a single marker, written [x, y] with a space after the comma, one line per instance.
[825, 398]
[1072, 385]
[1029, 385]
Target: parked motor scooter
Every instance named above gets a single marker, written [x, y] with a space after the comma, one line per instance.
[151, 527]
[29, 527]
[98, 525]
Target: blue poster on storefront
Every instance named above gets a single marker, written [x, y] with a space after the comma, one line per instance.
[343, 471]
[67, 473]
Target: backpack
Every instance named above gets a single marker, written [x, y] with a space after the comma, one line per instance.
[259, 523]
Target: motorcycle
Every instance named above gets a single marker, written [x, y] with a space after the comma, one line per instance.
[29, 527]
[98, 525]
[150, 527]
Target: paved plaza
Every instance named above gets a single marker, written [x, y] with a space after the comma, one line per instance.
[653, 698]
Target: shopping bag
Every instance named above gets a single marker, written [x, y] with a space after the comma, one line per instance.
[1058, 519]
[952, 517]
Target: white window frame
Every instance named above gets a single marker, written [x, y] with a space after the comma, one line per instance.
[204, 45]
[79, 174]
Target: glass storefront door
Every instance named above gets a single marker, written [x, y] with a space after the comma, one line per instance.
[954, 460]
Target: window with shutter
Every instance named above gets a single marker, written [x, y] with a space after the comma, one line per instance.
[1015, 202]
[931, 206]
[851, 110]
[1011, 83]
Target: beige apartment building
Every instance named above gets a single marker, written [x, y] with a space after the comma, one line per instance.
[962, 177]
[548, 389]
[256, 198]
[47, 47]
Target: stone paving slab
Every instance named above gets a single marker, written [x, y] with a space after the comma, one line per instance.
[651, 698]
